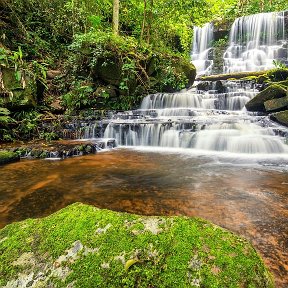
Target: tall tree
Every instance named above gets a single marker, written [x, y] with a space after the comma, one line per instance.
[115, 21]
[144, 20]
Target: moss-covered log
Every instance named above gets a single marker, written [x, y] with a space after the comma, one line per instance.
[82, 246]
[236, 76]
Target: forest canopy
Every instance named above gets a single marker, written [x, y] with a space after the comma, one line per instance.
[46, 27]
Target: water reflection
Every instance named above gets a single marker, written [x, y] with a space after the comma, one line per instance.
[249, 200]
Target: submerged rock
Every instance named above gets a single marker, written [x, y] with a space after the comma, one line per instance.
[67, 250]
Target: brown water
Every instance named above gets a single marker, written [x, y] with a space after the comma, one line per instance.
[251, 200]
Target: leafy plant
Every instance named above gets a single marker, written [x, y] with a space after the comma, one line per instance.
[279, 65]
[5, 119]
[80, 96]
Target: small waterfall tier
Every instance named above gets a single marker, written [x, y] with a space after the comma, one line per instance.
[255, 41]
[211, 117]
[202, 54]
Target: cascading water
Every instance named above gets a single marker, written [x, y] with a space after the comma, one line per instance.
[212, 117]
[201, 120]
[202, 49]
[255, 41]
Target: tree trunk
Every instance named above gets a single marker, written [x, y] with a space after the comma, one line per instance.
[144, 21]
[150, 19]
[115, 21]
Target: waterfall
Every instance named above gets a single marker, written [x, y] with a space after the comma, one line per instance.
[202, 47]
[201, 120]
[212, 115]
[255, 41]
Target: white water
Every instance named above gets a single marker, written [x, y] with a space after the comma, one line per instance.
[255, 41]
[187, 120]
[202, 48]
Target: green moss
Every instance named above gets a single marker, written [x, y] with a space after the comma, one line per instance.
[273, 91]
[19, 95]
[90, 247]
[281, 117]
[8, 157]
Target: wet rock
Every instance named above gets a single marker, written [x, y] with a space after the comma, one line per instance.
[280, 117]
[272, 92]
[204, 86]
[276, 104]
[220, 87]
[61, 149]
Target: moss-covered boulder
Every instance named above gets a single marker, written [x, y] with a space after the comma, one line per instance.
[17, 90]
[272, 92]
[276, 104]
[8, 157]
[185, 67]
[280, 117]
[109, 70]
[82, 246]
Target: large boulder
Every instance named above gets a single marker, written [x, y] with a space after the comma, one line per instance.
[274, 91]
[187, 68]
[82, 246]
[109, 70]
[17, 89]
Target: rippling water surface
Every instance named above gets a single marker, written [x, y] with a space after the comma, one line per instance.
[247, 196]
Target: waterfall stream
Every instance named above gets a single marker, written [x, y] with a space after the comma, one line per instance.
[255, 41]
[212, 120]
[212, 117]
[202, 48]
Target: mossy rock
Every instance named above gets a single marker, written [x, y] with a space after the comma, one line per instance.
[8, 157]
[13, 95]
[276, 104]
[283, 83]
[82, 246]
[281, 117]
[278, 74]
[187, 68]
[109, 70]
[271, 92]
[105, 92]
[262, 79]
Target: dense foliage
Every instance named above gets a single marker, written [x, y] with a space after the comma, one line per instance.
[74, 36]
[46, 27]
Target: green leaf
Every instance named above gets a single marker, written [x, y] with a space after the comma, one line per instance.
[18, 76]
[4, 111]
